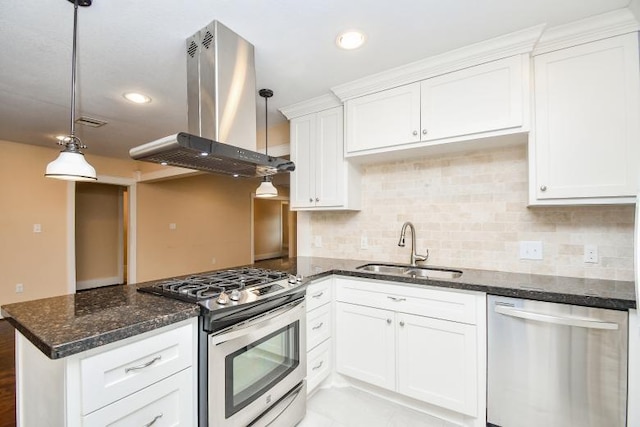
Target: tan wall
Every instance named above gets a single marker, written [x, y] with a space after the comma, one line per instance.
[36, 260]
[213, 223]
[98, 232]
[470, 210]
[278, 135]
[268, 232]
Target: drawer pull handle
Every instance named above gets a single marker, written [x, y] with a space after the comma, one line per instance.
[153, 421]
[318, 295]
[402, 323]
[396, 299]
[388, 321]
[318, 326]
[318, 366]
[145, 365]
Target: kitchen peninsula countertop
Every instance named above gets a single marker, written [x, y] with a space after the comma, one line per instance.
[69, 324]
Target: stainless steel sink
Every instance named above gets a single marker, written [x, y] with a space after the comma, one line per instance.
[407, 270]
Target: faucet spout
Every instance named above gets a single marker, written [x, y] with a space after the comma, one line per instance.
[414, 256]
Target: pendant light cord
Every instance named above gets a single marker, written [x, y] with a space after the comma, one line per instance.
[73, 73]
[266, 126]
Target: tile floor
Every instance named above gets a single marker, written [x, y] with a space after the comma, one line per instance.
[349, 407]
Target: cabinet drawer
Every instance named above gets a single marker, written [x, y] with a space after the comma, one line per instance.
[165, 403]
[426, 301]
[318, 294]
[318, 365]
[114, 374]
[318, 325]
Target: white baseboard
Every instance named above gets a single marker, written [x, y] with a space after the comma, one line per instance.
[96, 283]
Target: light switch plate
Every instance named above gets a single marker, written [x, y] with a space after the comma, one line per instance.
[531, 250]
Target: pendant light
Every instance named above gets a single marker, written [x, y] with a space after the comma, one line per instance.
[71, 164]
[266, 188]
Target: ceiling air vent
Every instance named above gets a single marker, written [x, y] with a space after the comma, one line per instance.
[192, 49]
[207, 40]
[90, 121]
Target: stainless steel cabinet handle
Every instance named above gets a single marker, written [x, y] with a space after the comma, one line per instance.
[153, 421]
[389, 321]
[144, 365]
[424, 131]
[396, 299]
[402, 323]
[318, 326]
[582, 322]
[318, 295]
[543, 188]
[310, 200]
[318, 366]
[317, 199]
[415, 132]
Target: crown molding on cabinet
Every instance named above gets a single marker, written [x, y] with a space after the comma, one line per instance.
[598, 27]
[519, 42]
[313, 105]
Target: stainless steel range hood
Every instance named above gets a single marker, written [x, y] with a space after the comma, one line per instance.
[221, 94]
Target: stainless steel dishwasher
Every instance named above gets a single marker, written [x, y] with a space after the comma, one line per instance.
[555, 365]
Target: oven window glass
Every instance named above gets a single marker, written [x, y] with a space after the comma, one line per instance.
[254, 369]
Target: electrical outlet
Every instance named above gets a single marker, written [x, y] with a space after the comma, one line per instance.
[317, 241]
[364, 242]
[591, 254]
[37, 228]
[19, 288]
[531, 250]
[213, 260]
[172, 226]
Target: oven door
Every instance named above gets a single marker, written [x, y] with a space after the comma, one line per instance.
[255, 364]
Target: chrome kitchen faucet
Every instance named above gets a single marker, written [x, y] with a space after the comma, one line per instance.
[414, 256]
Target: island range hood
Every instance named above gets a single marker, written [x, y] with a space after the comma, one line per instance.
[221, 95]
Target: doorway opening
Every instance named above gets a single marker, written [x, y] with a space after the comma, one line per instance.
[101, 234]
[274, 229]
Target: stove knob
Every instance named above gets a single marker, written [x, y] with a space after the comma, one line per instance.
[222, 299]
[292, 279]
[235, 295]
[299, 278]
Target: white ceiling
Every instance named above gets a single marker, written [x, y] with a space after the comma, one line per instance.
[139, 45]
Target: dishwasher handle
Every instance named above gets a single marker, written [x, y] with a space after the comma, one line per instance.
[581, 322]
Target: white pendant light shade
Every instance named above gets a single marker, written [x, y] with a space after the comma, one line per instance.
[71, 166]
[266, 189]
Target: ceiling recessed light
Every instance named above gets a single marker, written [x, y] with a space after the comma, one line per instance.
[351, 39]
[137, 98]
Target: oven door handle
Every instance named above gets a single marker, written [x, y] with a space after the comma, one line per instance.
[248, 327]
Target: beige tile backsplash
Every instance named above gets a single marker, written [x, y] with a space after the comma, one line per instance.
[470, 210]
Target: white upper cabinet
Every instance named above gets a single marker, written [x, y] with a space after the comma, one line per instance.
[585, 147]
[323, 179]
[484, 100]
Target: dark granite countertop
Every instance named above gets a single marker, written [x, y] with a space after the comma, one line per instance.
[69, 324]
[618, 295]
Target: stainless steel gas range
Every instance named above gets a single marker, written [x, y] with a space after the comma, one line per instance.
[252, 359]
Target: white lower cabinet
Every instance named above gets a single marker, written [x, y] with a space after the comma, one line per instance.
[145, 380]
[319, 330]
[365, 344]
[437, 362]
[165, 403]
[424, 343]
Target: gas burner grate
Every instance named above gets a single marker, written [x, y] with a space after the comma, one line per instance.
[204, 286]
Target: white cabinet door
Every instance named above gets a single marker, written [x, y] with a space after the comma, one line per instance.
[329, 158]
[382, 119]
[303, 131]
[437, 362]
[321, 178]
[365, 344]
[483, 98]
[587, 120]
